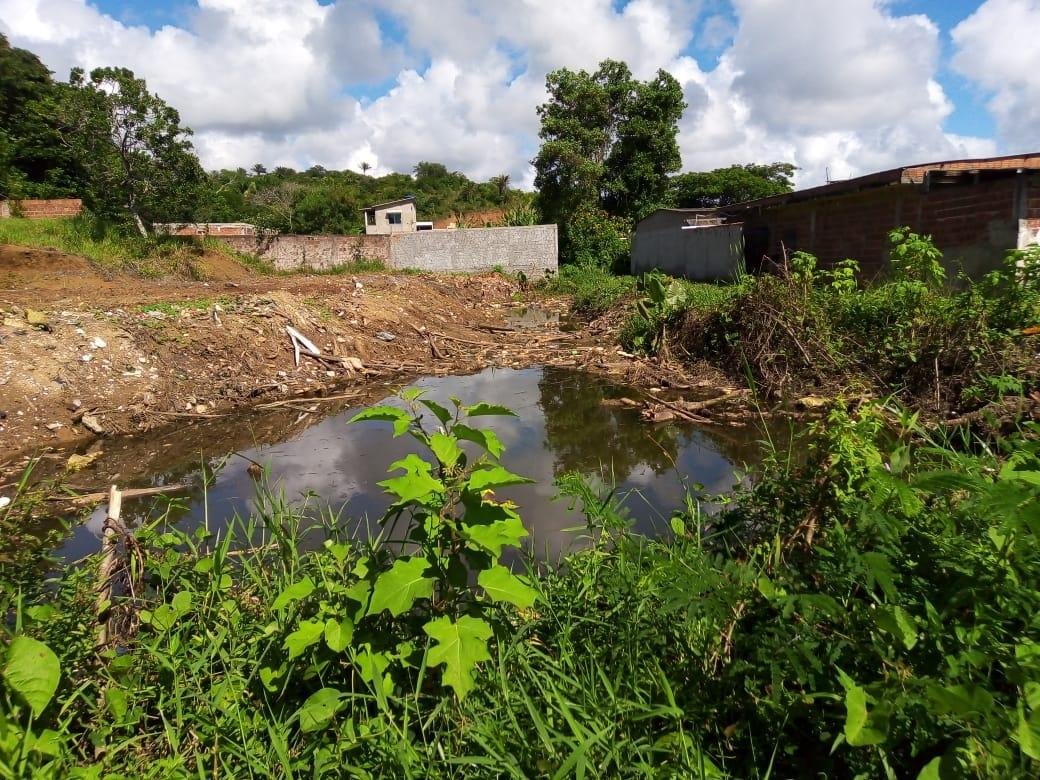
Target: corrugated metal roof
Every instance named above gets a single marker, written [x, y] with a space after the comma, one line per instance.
[907, 174]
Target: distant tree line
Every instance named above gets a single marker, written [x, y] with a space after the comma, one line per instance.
[609, 156]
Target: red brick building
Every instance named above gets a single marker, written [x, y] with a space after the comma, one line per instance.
[975, 210]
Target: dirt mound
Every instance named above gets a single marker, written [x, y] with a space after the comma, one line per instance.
[41, 261]
[215, 267]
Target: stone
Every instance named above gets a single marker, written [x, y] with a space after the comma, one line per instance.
[98, 343]
[74, 405]
[201, 408]
[92, 424]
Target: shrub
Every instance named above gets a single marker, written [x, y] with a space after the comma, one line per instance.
[592, 238]
[594, 290]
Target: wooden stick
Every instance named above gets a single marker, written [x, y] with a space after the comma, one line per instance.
[91, 498]
[108, 565]
[315, 398]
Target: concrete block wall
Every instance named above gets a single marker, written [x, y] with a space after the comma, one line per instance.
[316, 253]
[41, 209]
[702, 254]
[532, 249]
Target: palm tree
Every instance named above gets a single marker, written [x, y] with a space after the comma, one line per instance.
[365, 168]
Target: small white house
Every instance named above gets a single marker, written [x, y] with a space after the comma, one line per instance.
[397, 216]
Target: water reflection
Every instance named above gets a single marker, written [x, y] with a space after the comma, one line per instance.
[562, 425]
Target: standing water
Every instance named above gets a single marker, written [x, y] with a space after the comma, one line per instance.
[565, 423]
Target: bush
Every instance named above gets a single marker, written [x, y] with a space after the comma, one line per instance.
[594, 290]
[592, 238]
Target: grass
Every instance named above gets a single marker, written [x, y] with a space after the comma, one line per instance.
[594, 290]
[113, 251]
[900, 631]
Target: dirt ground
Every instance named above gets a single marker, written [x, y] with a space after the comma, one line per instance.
[84, 355]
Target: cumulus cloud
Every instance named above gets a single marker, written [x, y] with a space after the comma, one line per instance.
[842, 88]
[998, 48]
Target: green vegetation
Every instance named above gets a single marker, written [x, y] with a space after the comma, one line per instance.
[725, 186]
[871, 611]
[112, 249]
[910, 334]
[594, 290]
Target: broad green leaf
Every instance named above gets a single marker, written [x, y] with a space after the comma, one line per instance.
[398, 588]
[439, 411]
[493, 477]
[1027, 735]
[412, 393]
[961, 700]
[460, 646]
[446, 449]
[881, 573]
[486, 438]
[858, 729]
[295, 592]
[493, 537]
[399, 417]
[33, 671]
[117, 701]
[486, 410]
[319, 709]
[182, 602]
[931, 770]
[47, 743]
[502, 585]
[372, 667]
[309, 632]
[163, 618]
[412, 487]
[897, 622]
[338, 634]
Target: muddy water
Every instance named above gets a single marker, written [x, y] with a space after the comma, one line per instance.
[565, 422]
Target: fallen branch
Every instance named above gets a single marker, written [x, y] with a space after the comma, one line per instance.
[93, 498]
[319, 399]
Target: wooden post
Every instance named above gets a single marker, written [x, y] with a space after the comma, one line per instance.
[109, 544]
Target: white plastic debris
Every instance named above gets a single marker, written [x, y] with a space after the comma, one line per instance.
[98, 343]
[4, 501]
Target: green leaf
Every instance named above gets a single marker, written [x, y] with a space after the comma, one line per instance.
[401, 419]
[295, 592]
[398, 588]
[486, 438]
[338, 634]
[439, 411]
[858, 730]
[309, 632]
[372, 666]
[1027, 735]
[897, 622]
[446, 448]
[493, 537]
[417, 483]
[33, 671]
[931, 770]
[492, 477]
[117, 701]
[487, 410]
[319, 709]
[502, 585]
[460, 646]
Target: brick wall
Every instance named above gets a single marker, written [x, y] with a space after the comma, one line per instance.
[317, 253]
[975, 224]
[42, 209]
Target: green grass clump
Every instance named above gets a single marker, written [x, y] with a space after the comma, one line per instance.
[593, 289]
[114, 251]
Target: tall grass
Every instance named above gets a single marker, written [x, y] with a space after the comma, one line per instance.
[594, 290]
[868, 612]
[113, 250]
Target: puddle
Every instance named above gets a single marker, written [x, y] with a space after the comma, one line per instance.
[562, 425]
[532, 318]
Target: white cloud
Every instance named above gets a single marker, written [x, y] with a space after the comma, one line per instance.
[998, 48]
[841, 87]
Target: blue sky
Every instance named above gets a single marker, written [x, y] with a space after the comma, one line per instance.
[845, 86]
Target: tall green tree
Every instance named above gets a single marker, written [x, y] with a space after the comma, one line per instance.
[735, 184]
[138, 159]
[608, 146]
[32, 163]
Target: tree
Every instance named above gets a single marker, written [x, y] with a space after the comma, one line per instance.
[138, 161]
[280, 202]
[608, 144]
[365, 168]
[32, 162]
[735, 184]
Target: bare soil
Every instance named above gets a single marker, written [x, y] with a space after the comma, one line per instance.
[122, 355]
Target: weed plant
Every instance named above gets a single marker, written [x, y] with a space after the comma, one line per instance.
[869, 611]
[594, 290]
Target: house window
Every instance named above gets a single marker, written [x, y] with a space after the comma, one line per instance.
[370, 218]
[393, 217]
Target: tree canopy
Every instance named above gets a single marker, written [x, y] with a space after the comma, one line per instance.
[735, 184]
[608, 147]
